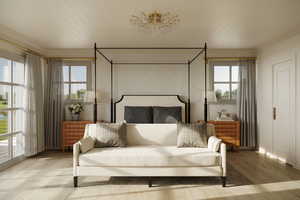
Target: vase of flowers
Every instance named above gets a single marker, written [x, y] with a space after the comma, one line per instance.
[75, 110]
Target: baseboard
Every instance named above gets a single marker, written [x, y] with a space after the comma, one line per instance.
[12, 162]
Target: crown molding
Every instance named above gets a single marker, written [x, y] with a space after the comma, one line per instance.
[17, 42]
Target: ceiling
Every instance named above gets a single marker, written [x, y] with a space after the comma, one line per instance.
[80, 23]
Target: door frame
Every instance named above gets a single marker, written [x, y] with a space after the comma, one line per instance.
[291, 159]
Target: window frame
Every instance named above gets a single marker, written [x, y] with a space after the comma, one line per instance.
[88, 81]
[229, 64]
[11, 133]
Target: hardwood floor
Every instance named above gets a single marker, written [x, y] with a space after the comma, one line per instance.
[251, 176]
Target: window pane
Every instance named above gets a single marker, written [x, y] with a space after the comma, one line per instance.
[18, 96]
[5, 70]
[18, 145]
[221, 73]
[5, 96]
[4, 150]
[4, 122]
[234, 88]
[235, 73]
[18, 72]
[222, 91]
[66, 90]
[78, 73]
[18, 120]
[78, 91]
[66, 73]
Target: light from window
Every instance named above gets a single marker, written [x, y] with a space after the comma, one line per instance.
[75, 82]
[226, 82]
[11, 109]
[5, 70]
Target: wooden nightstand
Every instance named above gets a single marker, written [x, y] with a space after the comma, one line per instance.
[228, 131]
[72, 131]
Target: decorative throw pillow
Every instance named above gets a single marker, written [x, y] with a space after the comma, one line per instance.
[138, 114]
[214, 143]
[166, 114]
[110, 135]
[191, 135]
[86, 144]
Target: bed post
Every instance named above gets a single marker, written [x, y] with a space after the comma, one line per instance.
[95, 77]
[188, 104]
[205, 84]
[111, 92]
[189, 92]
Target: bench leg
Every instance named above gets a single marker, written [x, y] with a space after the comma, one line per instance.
[75, 179]
[149, 182]
[223, 178]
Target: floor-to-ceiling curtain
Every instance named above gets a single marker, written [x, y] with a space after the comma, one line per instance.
[246, 103]
[54, 104]
[33, 106]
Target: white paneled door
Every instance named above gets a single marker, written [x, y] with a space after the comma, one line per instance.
[283, 94]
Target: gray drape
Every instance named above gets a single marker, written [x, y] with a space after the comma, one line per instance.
[33, 106]
[246, 103]
[54, 104]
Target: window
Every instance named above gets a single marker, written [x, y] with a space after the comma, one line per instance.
[225, 82]
[11, 109]
[75, 81]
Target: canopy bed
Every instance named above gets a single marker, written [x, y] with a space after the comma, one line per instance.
[118, 107]
[151, 149]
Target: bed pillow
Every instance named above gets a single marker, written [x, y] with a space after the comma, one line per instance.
[110, 135]
[138, 114]
[86, 144]
[168, 115]
[192, 135]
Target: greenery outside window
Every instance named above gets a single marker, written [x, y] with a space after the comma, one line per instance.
[76, 81]
[12, 77]
[225, 81]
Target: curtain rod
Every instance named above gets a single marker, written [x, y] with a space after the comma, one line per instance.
[231, 58]
[25, 49]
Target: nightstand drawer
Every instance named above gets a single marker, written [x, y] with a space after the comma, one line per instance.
[73, 125]
[78, 137]
[228, 131]
[225, 126]
[72, 132]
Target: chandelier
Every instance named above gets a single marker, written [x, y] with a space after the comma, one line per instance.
[155, 20]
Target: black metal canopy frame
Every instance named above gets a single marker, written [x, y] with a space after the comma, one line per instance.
[188, 63]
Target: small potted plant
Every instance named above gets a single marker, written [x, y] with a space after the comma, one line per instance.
[75, 110]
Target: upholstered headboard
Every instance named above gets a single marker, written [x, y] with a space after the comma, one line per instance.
[149, 100]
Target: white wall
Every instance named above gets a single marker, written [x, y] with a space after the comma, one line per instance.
[267, 56]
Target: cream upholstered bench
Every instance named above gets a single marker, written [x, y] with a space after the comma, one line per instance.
[151, 152]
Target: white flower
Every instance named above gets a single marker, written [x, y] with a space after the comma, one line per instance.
[75, 108]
